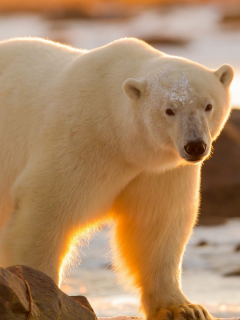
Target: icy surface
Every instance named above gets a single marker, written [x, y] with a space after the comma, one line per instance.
[203, 278]
[132, 318]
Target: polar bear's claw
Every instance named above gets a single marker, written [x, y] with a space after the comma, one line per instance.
[184, 312]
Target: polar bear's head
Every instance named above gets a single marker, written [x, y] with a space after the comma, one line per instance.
[182, 105]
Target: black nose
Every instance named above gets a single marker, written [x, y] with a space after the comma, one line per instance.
[195, 147]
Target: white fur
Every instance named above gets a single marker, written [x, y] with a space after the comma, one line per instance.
[84, 136]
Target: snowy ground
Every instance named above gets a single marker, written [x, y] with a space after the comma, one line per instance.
[203, 279]
[211, 44]
[134, 318]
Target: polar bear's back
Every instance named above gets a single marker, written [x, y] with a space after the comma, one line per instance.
[29, 59]
[28, 70]
[36, 48]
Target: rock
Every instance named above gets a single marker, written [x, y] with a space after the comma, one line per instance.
[202, 243]
[234, 273]
[160, 40]
[221, 176]
[83, 301]
[26, 293]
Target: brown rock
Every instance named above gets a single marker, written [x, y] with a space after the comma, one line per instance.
[237, 248]
[234, 273]
[220, 191]
[25, 291]
[14, 301]
[83, 301]
[202, 243]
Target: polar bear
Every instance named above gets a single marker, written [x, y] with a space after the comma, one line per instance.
[117, 132]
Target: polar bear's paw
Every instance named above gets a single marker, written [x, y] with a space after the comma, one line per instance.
[183, 312]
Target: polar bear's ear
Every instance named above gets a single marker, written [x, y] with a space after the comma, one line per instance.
[225, 74]
[133, 88]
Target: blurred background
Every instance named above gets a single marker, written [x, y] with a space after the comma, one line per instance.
[204, 31]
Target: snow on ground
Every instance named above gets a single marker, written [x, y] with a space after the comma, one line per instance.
[134, 318]
[209, 44]
[204, 268]
[203, 278]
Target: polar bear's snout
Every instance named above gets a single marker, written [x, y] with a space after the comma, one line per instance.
[195, 142]
[195, 149]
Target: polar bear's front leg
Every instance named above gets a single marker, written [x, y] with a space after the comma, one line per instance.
[44, 219]
[155, 216]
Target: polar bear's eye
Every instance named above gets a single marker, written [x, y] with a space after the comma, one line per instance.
[170, 112]
[208, 107]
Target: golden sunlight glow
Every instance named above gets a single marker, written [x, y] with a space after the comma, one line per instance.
[229, 308]
[88, 5]
[67, 288]
[79, 238]
[41, 5]
[70, 258]
[82, 289]
[235, 91]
